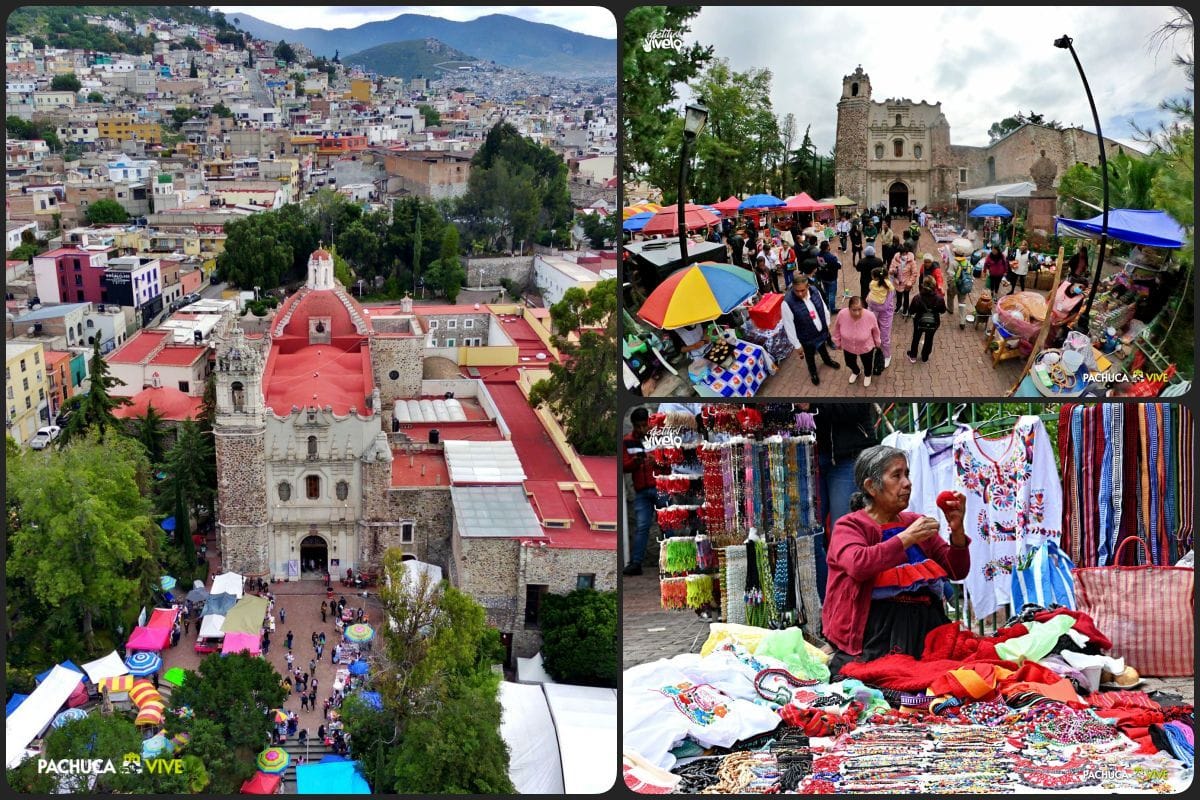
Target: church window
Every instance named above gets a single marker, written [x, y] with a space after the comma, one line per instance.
[917, 151]
[898, 148]
[285, 491]
[534, 594]
[962, 175]
[394, 374]
[320, 327]
[407, 531]
[312, 487]
[899, 121]
[343, 490]
[854, 90]
[312, 447]
[238, 395]
[878, 151]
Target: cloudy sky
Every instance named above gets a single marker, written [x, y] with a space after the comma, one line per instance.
[593, 21]
[983, 64]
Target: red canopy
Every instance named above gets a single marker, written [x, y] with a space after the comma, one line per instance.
[261, 783]
[728, 206]
[162, 618]
[148, 638]
[802, 202]
[667, 219]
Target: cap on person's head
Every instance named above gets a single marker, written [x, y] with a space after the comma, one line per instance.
[639, 414]
[870, 250]
[927, 257]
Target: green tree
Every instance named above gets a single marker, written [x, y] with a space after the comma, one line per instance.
[95, 97]
[361, 247]
[414, 221]
[85, 531]
[284, 52]
[149, 430]
[447, 274]
[581, 389]
[190, 466]
[181, 114]
[65, 82]
[431, 115]
[222, 110]
[96, 736]
[25, 252]
[579, 637]
[106, 211]
[192, 71]
[94, 410]
[341, 270]
[190, 43]
[1004, 127]
[599, 229]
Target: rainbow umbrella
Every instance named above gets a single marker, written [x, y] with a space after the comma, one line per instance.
[67, 716]
[359, 632]
[639, 208]
[699, 293]
[143, 663]
[667, 219]
[273, 760]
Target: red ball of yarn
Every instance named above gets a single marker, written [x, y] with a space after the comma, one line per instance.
[945, 498]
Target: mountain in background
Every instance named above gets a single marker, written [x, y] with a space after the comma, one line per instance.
[505, 39]
[418, 58]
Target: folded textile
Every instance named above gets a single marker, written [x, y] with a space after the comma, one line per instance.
[905, 673]
[1083, 624]
[1038, 642]
[1135, 723]
[953, 641]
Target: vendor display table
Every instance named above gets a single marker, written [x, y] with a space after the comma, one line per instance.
[340, 679]
[774, 341]
[750, 367]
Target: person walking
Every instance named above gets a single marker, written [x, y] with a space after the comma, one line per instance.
[926, 309]
[827, 275]
[1019, 267]
[881, 301]
[787, 262]
[736, 247]
[312, 665]
[312, 697]
[903, 274]
[870, 230]
[324, 609]
[288, 659]
[866, 267]
[996, 267]
[856, 331]
[887, 243]
[636, 463]
[314, 640]
[304, 702]
[806, 323]
[282, 616]
[843, 233]
[321, 635]
[856, 243]
[288, 640]
[959, 291]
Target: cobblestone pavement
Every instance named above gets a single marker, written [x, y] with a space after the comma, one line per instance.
[648, 632]
[958, 367]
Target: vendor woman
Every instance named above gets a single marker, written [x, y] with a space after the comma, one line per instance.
[889, 569]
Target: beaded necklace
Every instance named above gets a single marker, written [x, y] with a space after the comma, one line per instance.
[792, 481]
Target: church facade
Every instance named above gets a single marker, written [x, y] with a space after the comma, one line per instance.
[899, 152]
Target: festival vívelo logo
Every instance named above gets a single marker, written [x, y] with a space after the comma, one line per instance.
[131, 764]
[664, 39]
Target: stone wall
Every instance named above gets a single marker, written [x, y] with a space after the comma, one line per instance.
[430, 511]
[487, 569]
[242, 499]
[402, 355]
[487, 272]
[850, 159]
[468, 324]
[559, 569]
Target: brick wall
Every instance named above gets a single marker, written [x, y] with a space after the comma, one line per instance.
[487, 272]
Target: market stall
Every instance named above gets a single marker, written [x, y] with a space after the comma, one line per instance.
[1073, 595]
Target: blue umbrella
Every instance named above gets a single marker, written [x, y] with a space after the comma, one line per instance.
[990, 210]
[167, 582]
[713, 209]
[66, 716]
[372, 699]
[168, 524]
[358, 668]
[761, 201]
[637, 221]
[142, 663]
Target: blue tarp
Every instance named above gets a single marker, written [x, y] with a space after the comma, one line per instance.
[13, 702]
[65, 665]
[372, 699]
[990, 210]
[359, 668]
[637, 221]
[332, 759]
[331, 777]
[1146, 228]
[219, 604]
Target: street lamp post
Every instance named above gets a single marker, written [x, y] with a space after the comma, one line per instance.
[693, 122]
[1065, 42]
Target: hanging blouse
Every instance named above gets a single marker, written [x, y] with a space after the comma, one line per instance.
[1014, 503]
[930, 468]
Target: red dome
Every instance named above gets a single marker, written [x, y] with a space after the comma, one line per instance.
[294, 315]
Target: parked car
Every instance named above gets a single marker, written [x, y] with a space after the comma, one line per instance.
[44, 436]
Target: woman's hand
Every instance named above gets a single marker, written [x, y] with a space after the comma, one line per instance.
[954, 507]
[924, 528]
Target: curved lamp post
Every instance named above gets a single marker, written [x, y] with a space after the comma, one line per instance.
[1065, 42]
[693, 122]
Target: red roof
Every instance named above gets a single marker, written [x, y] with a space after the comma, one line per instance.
[64, 251]
[426, 469]
[308, 303]
[137, 347]
[170, 403]
[179, 356]
[317, 375]
[55, 356]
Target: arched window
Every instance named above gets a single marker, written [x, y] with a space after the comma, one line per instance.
[899, 121]
[898, 148]
[878, 151]
[91, 323]
[343, 490]
[285, 491]
[237, 394]
[854, 90]
[312, 447]
[312, 487]
[916, 151]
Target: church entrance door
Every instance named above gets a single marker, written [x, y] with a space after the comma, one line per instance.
[314, 558]
[898, 198]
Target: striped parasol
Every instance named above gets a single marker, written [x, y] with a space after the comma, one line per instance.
[143, 663]
[121, 683]
[279, 716]
[273, 760]
[699, 293]
[359, 632]
[167, 582]
[638, 208]
[67, 716]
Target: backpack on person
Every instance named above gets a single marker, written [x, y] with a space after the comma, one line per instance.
[963, 281]
[927, 320]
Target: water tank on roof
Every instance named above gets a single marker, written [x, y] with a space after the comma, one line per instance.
[434, 436]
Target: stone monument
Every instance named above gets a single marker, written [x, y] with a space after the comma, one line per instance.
[1042, 202]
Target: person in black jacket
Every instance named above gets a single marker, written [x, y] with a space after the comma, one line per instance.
[865, 267]
[737, 244]
[856, 243]
[806, 323]
[926, 311]
[828, 269]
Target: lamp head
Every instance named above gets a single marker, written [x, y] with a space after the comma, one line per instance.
[1063, 42]
[694, 118]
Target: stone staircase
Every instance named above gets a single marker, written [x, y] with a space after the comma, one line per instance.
[312, 753]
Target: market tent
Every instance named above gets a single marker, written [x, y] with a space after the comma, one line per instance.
[585, 719]
[162, 618]
[534, 762]
[66, 665]
[990, 193]
[237, 642]
[230, 582]
[803, 202]
[219, 604]
[637, 221]
[533, 670]
[760, 201]
[14, 703]
[110, 666]
[145, 638]
[729, 205]
[246, 616]
[30, 718]
[413, 570]
[262, 783]
[1145, 228]
[990, 210]
[840, 200]
[210, 627]
[331, 777]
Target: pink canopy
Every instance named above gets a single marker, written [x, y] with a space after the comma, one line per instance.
[148, 638]
[802, 202]
[79, 697]
[237, 642]
[728, 206]
[163, 618]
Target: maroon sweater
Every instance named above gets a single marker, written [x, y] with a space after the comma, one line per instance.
[856, 554]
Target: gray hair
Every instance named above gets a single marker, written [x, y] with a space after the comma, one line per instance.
[870, 465]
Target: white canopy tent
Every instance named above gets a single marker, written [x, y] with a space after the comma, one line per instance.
[210, 626]
[993, 193]
[533, 670]
[29, 719]
[227, 583]
[585, 718]
[534, 762]
[111, 666]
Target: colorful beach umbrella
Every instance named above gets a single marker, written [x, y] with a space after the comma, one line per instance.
[359, 632]
[761, 201]
[637, 221]
[167, 582]
[273, 760]
[66, 716]
[638, 208]
[667, 219]
[279, 716]
[699, 293]
[143, 663]
[174, 676]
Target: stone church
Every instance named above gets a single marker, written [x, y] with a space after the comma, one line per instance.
[899, 152]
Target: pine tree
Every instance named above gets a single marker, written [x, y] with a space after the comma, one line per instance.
[149, 431]
[94, 410]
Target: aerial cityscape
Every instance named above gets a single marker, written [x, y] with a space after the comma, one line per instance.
[310, 331]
